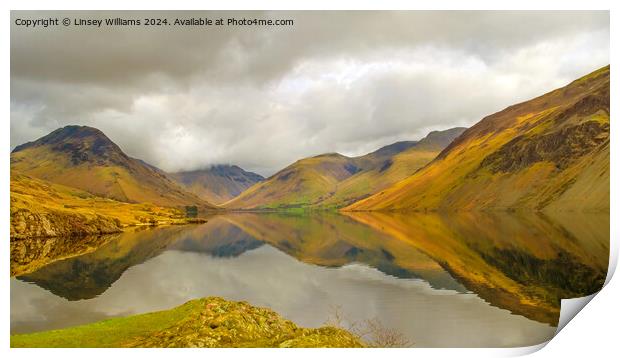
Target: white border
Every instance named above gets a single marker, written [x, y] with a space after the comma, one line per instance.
[591, 333]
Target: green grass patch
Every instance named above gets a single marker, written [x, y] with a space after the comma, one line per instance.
[109, 333]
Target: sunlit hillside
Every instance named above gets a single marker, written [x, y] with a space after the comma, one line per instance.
[334, 180]
[84, 158]
[549, 153]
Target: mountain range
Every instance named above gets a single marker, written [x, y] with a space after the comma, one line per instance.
[549, 153]
[216, 184]
[334, 180]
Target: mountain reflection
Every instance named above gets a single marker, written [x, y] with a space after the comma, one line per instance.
[523, 263]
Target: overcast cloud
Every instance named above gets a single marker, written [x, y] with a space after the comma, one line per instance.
[263, 97]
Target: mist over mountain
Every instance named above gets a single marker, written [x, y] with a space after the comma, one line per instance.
[83, 157]
[218, 183]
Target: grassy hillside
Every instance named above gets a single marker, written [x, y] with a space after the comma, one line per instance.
[334, 180]
[55, 215]
[207, 322]
[42, 209]
[84, 158]
[305, 183]
[549, 153]
[217, 184]
[391, 170]
[63, 210]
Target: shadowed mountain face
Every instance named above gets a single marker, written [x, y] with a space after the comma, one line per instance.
[550, 153]
[217, 184]
[334, 180]
[84, 158]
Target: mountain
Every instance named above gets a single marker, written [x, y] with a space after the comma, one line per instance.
[550, 153]
[304, 183]
[217, 184]
[334, 180]
[391, 168]
[84, 158]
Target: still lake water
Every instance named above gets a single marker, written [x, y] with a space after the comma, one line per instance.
[442, 281]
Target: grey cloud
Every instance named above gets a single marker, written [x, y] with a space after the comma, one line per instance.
[264, 97]
[119, 54]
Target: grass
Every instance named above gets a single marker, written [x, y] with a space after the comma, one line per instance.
[206, 322]
[369, 182]
[108, 333]
[45, 217]
[301, 184]
[39, 196]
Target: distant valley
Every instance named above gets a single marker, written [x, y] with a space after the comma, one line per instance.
[216, 184]
[334, 180]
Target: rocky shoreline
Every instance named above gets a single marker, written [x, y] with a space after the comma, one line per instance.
[26, 224]
[47, 235]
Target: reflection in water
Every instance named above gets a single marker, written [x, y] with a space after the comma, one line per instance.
[484, 280]
[29, 255]
[524, 263]
[90, 275]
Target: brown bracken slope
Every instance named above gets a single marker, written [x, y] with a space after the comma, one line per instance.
[549, 153]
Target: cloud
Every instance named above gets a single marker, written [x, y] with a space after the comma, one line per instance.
[263, 97]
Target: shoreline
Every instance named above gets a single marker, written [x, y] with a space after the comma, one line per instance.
[80, 243]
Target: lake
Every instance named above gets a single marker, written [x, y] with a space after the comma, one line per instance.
[458, 280]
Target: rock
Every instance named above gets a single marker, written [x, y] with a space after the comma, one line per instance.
[27, 224]
[222, 323]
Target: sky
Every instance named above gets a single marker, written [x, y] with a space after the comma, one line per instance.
[187, 97]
